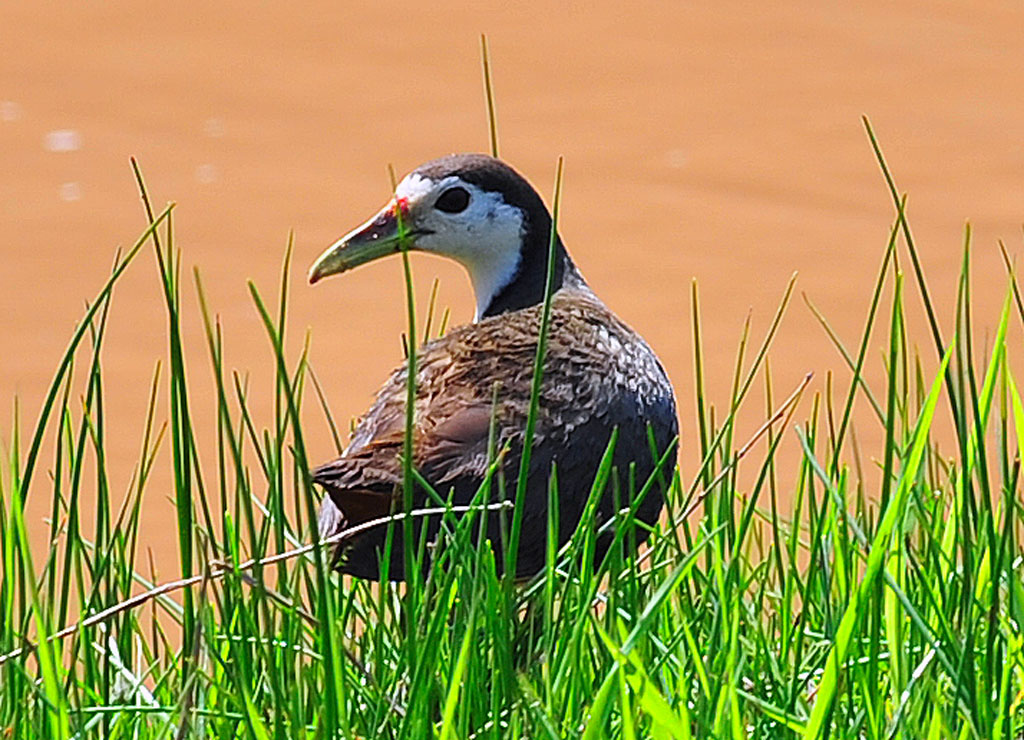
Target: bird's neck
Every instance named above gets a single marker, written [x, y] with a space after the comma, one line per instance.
[527, 286]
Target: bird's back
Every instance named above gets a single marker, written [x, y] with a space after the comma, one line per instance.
[599, 375]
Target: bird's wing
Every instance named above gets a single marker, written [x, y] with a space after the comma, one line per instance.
[458, 378]
[450, 438]
[360, 485]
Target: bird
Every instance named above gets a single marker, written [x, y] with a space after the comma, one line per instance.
[473, 384]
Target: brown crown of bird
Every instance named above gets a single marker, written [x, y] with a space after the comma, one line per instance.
[473, 385]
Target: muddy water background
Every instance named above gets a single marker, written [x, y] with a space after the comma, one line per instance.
[722, 144]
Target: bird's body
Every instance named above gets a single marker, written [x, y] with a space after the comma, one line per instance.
[599, 376]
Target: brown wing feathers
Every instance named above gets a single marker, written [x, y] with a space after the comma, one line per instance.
[590, 387]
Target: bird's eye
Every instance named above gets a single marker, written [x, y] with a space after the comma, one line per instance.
[453, 200]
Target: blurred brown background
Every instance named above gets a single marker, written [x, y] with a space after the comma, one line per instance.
[718, 142]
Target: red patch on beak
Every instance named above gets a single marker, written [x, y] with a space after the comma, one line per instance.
[403, 205]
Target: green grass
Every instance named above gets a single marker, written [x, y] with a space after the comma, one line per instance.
[818, 600]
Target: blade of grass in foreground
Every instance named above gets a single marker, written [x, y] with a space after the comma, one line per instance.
[492, 118]
[816, 725]
[512, 552]
[334, 680]
[410, 566]
[49, 660]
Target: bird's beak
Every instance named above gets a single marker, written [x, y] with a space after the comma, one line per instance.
[386, 233]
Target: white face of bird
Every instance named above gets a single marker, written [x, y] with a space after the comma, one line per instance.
[449, 217]
[476, 228]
